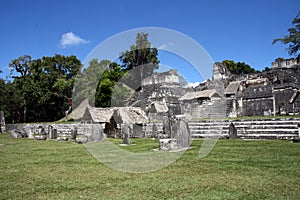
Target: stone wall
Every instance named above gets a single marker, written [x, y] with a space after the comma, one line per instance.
[161, 78]
[64, 129]
[284, 63]
[283, 96]
[258, 107]
[161, 93]
[248, 129]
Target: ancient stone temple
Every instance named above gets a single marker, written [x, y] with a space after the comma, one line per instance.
[270, 93]
[160, 92]
[285, 63]
[202, 104]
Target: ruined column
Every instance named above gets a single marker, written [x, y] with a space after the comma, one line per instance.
[274, 102]
[2, 122]
[232, 132]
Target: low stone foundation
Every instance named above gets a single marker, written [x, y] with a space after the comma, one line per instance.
[247, 129]
[54, 131]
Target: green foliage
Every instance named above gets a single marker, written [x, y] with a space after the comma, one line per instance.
[234, 169]
[267, 69]
[238, 68]
[117, 82]
[141, 57]
[21, 64]
[87, 80]
[293, 39]
[120, 95]
[41, 91]
[106, 84]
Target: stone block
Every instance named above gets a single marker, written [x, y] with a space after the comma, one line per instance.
[168, 144]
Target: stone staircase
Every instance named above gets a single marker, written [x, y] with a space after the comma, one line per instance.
[254, 129]
[228, 107]
[246, 129]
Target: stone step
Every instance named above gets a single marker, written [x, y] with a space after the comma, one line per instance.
[263, 129]
[253, 126]
[248, 131]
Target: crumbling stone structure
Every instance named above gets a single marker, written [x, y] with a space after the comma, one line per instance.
[285, 63]
[160, 87]
[2, 122]
[273, 92]
[269, 93]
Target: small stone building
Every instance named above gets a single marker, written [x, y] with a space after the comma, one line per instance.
[202, 104]
[257, 101]
[113, 118]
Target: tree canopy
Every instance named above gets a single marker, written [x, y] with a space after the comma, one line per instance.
[142, 58]
[293, 38]
[87, 80]
[238, 68]
[106, 85]
[41, 90]
[118, 81]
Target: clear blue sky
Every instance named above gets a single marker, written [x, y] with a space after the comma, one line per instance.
[241, 30]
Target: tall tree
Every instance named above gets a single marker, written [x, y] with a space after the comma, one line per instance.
[293, 39]
[142, 58]
[87, 80]
[45, 85]
[22, 66]
[105, 88]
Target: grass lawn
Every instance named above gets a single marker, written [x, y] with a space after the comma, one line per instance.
[234, 169]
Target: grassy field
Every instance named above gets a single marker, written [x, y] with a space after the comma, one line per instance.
[234, 169]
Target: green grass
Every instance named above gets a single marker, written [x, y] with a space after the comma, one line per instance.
[234, 169]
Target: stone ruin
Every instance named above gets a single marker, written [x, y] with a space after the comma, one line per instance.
[52, 133]
[162, 98]
[2, 122]
[41, 135]
[160, 94]
[126, 132]
[232, 132]
[285, 63]
[177, 135]
[59, 132]
[269, 93]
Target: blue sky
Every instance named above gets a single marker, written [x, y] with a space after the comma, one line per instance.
[227, 29]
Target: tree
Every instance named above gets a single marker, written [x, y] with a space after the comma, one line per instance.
[141, 57]
[41, 91]
[117, 82]
[106, 85]
[87, 80]
[21, 64]
[293, 39]
[266, 69]
[238, 68]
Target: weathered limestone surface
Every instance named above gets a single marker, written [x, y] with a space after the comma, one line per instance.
[58, 129]
[246, 129]
[2, 122]
[285, 63]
